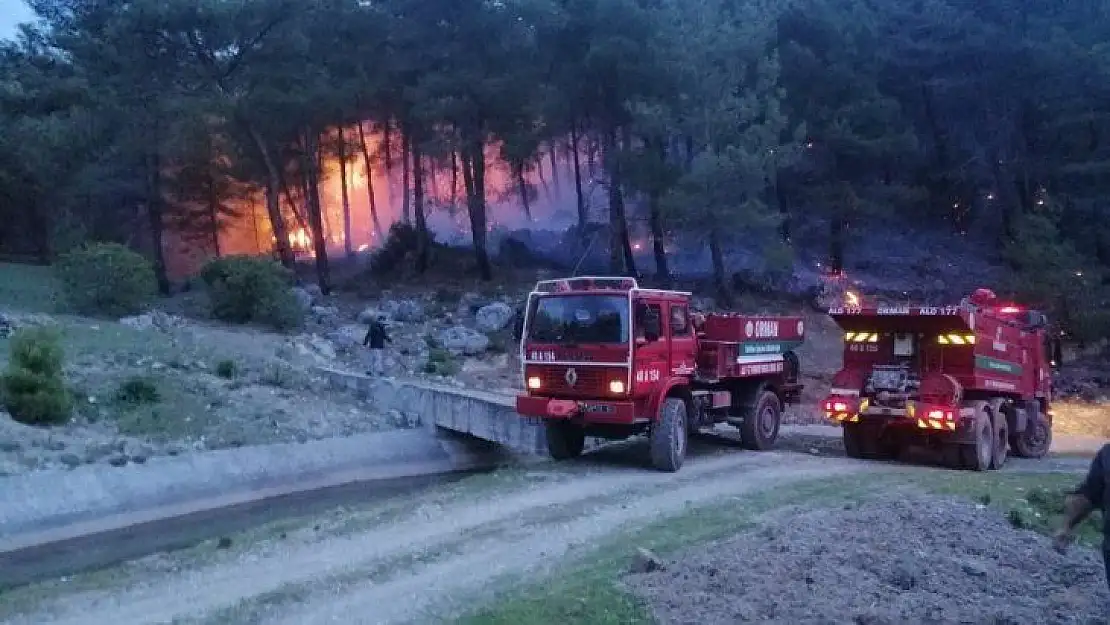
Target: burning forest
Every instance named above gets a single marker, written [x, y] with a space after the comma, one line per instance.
[718, 140]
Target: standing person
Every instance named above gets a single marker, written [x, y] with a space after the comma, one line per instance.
[376, 338]
[1090, 495]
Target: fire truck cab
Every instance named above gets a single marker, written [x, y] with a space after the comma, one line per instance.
[602, 357]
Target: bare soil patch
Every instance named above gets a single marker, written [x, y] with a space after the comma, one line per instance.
[897, 558]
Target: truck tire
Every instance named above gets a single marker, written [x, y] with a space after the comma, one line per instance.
[1001, 441]
[564, 441]
[977, 456]
[853, 441]
[760, 430]
[669, 435]
[1036, 440]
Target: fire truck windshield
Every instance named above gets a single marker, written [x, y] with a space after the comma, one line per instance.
[563, 319]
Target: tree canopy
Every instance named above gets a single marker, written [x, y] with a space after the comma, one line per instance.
[126, 121]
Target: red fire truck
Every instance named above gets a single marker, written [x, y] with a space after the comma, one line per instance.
[602, 357]
[971, 380]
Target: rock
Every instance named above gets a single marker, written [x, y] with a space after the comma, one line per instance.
[469, 304]
[462, 340]
[370, 313]
[325, 314]
[315, 292]
[117, 460]
[54, 444]
[304, 298]
[153, 319]
[408, 311]
[347, 337]
[71, 460]
[974, 568]
[645, 561]
[494, 317]
[7, 326]
[10, 446]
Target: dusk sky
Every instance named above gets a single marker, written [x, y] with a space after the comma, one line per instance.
[12, 12]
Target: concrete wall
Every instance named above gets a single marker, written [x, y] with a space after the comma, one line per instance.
[489, 416]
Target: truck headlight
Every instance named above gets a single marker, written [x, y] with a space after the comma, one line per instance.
[534, 383]
[616, 387]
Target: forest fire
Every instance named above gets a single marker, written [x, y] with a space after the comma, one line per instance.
[375, 203]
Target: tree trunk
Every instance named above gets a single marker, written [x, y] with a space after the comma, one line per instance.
[785, 229]
[315, 212]
[474, 176]
[553, 159]
[369, 181]
[720, 278]
[273, 200]
[656, 219]
[543, 179]
[155, 205]
[454, 179]
[213, 210]
[406, 173]
[414, 138]
[620, 248]
[583, 218]
[522, 189]
[348, 245]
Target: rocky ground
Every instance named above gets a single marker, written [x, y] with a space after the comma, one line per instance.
[900, 558]
[171, 381]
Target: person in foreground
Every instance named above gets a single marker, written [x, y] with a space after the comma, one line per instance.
[1079, 503]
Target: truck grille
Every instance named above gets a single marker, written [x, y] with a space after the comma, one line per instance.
[590, 382]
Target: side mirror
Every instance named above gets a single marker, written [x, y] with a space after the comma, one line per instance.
[653, 329]
[1037, 319]
[518, 325]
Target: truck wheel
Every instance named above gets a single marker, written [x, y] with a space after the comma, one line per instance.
[760, 430]
[564, 441]
[1036, 440]
[1001, 442]
[668, 436]
[977, 456]
[853, 440]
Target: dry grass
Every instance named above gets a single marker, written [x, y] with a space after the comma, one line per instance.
[1081, 419]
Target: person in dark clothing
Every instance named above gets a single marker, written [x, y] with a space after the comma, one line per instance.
[1090, 495]
[376, 338]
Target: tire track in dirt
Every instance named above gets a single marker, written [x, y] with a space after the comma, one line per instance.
[407, 597]
[206, 590]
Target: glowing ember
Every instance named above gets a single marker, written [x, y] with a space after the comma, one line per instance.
[363, 247]
[851, 299]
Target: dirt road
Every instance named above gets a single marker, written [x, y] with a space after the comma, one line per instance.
[420, 560]
[414, 564]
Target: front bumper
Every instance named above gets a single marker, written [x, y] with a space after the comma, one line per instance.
[579, 411]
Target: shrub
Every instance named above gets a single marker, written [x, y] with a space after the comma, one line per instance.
[33, 387]
[441, 362]
[138, 390]
[399, 245]
[106, 279]
[245, 289]
[227, 369]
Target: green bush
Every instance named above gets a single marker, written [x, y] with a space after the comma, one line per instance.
[227, 369]
[442, 362]
[106, 279]
[245, 289]
[33, 386]
[138, 390]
